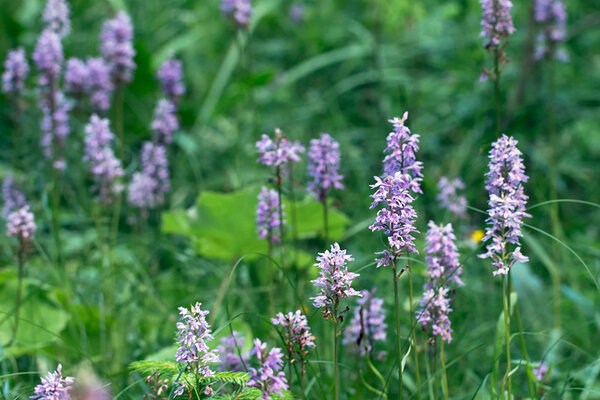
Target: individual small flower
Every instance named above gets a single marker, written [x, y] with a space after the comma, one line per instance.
[433, 313]
[15, 72]
[100, 84]
[164, 122]
[104, 166]
[268, 223]
[368, 323]
[443, 266]
[449, 198]
[297, 335]
[55, 128]
[507, 201]
[323, 167]
[48, 57]
[20, 224]
[170, 75]
[56, 17]
[296, 12]
[396, 219]
[496, 22]
[12, 197]
[278, 151]
[193, 333]
[54, 386]
[401, 150]
[76, 77]
[239, 11]
[334, 280]
[117, 48]
[540, 372]
[149, 187]
[230, 353]
[551, 15]
[269, 377]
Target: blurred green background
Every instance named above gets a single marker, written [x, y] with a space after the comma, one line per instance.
[344, 69]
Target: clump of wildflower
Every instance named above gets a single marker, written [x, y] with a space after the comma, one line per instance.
[76, 77]
[54, 386]
[170, 75]
[368, 323]
[449, 198]
[507, 201]
[268, 223]
[100, 84]
[104, 166]
[540, 372]
[117, 48]
[334, 280]
[164, 122]
[20, 224]
[55, 128]
[15, 72]
[323, 166]
[238, 11]
[149, 186]
[269, 377]
[230, 353]
[443, 268]
[56, 17]
[297, 335]
[279, 151]
[396, 219]
[12, 197]
[551, 15]
[401, 150]
[496, 22]
[193, 333]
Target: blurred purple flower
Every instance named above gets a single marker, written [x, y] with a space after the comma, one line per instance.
[433, 312]
[296, 12]
[551, 15]
[230, 353]
[54, 386]
[443, 265]
[20, 224]
[239, 11]
[496, 22]
[449, 198]
[323, 166]
[149, 187]
[12, 197]
[170, 75]
[117, 48]
[279, 151]
[368, 323]
[165, 122]
[269, 377]
[76, 77]
[55, 128]
[100, 84]
[56, 17]
[48, 58]
[507, 201]
[334, 280]
[540, 372]
[297, 336]
[268, 224]
[15, 72]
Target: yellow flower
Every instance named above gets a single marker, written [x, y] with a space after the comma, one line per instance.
[477, 235]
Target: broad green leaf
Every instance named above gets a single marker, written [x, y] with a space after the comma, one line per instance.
[310, 220]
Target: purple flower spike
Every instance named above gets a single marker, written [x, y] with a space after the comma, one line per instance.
[20, 224]
[100, 84]
[13, 198]
[496, 22]
[165, 122]
[551, 15]
[76, 77]
[297, 335]
[279, 151]
[268, 224]
[323, 166]
[15, 72]
[104, 166]
[269, 377]
[449, 198]
[368, 323]
[433, 313]
[54, 386]
[443, 266]
[540, 372]
[334, 280]
[507, 202]
[55, 128]
[193, 333]
[396, 219]
[170, 76]
[117, 48]
[48, 57]
[230, 352]
[56, 17]
[401, 150]
[149, 187]
[239, 11]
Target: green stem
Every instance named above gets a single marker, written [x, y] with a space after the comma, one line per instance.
[378, 375]
[16, 131]
[398, 339]
[434, 370]
[506, 381]
[497, 93]
[326, 222]
[530, 383]
[335, 357]
[21, 262]
[280, 201]
[414, 335]
[118, 107]
[443, 365]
